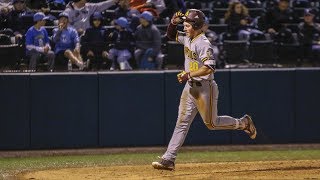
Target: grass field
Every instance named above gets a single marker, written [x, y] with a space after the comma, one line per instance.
[12, 166]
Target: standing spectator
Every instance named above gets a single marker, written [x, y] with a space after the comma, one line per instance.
[309, 36]
[37, 43]
[80, 11]
[148, 43]
[67, 45]
[94, 42]
[123, 42]
[277, 17]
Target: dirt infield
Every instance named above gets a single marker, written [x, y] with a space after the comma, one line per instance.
[298, 169]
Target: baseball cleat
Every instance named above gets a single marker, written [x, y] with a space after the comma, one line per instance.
[250, 129]
[164, 165]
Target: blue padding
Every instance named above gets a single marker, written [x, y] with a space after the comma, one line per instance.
[307, 105]
[268, 96]
[198, 133]
[14, 108]
[64, 110]
[131, 109]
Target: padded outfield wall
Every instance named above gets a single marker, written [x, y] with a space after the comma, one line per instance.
[121, 109]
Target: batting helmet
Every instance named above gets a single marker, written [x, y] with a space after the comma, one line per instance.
[195, 17]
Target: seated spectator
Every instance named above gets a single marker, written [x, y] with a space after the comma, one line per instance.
[214, 40]
[38, 5]
[133, 19]
[80, 11]
[5, 6]
[37, 43]
[238, 20]
[148, 43]
[141, 6]
[15, 20]
[123, 42]
[94, 42]
[277, 17]
[67, 45]
[309, 37]
[57, 4]
[123, 9]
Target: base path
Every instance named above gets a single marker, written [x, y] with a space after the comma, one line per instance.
[297, 169]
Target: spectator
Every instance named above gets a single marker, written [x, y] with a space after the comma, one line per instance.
[94, 42]
[57, 4]
[148, 43]
[80, 11]
[123, 42]
[123, 9]
[15, 20]
[309, 36]
[141, 6]
[38, 5]
[238, 20]
[214, 40]
[277, 17]
[37, 43]
[67, 45]
[5, 6]
[133, 19]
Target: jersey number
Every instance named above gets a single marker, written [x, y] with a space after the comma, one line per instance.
[193, 66]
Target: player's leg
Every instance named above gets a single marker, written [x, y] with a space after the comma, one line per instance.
[187, 112]
[207, 106]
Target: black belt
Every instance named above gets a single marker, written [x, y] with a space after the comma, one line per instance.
[194, 83]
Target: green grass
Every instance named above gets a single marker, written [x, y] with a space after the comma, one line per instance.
[14, 165]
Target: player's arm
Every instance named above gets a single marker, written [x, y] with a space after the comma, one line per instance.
[172, 28]
[203, 71]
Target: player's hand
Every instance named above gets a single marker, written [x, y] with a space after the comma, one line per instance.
[183, 76]
[177, 18]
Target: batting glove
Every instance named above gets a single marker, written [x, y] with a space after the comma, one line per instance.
[183, 76]
[177, 18]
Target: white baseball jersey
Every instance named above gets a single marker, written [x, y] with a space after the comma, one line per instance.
[198, 52]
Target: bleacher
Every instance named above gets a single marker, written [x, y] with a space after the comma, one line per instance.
[233, 51]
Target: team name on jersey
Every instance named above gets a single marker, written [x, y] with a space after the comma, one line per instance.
[190, 54]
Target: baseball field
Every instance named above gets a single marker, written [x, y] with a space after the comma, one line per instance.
[205, 162]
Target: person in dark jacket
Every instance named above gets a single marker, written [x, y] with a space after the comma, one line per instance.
[123, 42]
[277, 17]
[148, 43]
[94, 42]
[309, 36]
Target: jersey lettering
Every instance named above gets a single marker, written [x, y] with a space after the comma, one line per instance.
[190, 54]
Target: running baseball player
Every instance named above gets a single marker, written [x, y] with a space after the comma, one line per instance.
[200, 93]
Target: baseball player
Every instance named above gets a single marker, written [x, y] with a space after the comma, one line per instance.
[201, 91]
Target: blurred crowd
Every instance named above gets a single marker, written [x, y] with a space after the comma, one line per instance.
[60, 35]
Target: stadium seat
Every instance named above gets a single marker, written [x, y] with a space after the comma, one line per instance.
[261, 51]
[175, 54]
[9, 56]
[235, 51]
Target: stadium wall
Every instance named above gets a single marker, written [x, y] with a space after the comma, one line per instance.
[121, 109]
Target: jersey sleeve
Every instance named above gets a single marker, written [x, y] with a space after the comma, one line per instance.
[206, 55]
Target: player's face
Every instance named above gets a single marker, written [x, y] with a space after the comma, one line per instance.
[187, 27]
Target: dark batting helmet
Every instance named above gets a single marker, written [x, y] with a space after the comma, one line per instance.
[195, 17]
